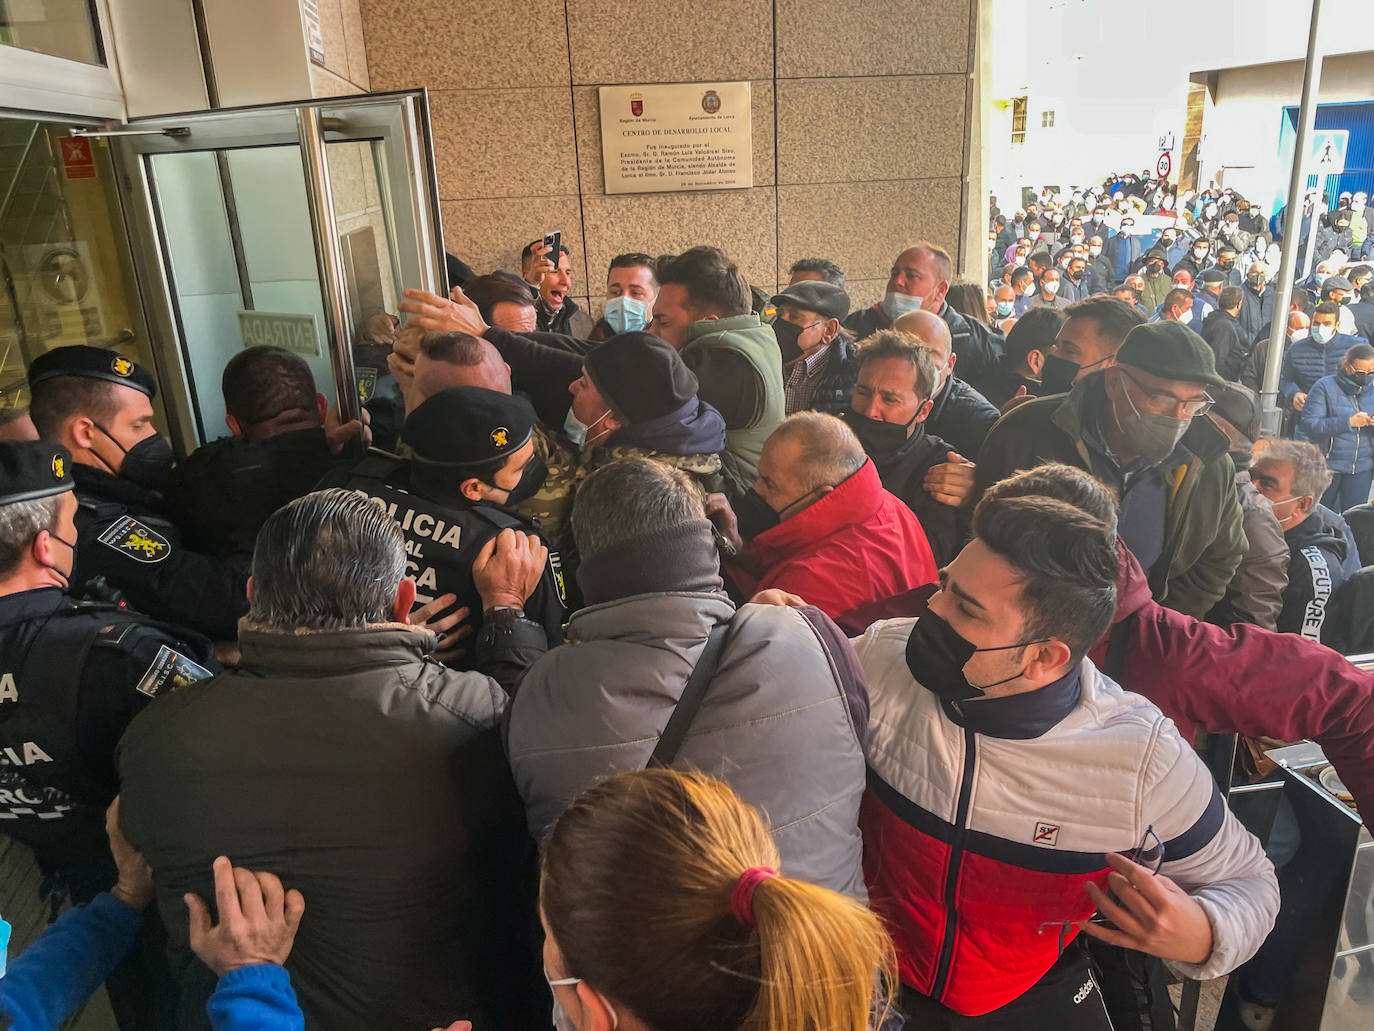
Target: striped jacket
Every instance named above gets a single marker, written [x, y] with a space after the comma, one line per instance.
[983, 822]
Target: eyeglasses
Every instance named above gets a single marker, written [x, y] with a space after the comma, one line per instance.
[1149, 854]
[1163, 403]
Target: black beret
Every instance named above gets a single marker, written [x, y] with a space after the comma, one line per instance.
[32, 469]
[1170, 350]
[825, 299]
[92, 363]
[640, 376]
[468, 426]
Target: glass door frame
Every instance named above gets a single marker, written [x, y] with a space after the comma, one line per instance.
[398, 121]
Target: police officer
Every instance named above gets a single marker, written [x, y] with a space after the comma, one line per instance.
[98, 405]
[72, 676]
[474, 456]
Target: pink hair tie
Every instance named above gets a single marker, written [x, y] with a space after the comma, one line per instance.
[742, 898]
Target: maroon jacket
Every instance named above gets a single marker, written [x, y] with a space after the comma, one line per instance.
[1237, 680]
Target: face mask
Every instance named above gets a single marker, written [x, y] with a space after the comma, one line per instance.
[1126, 227]
[1276, 505]
[936, 655]
[789, 335]
[1029, 290]
[1167, 240]
[1185, 317]
[1058, 374]
[1257, 279]
[531, 479]
[1019, 260]
[1097, 216]
[148, 464]
[576, 430]
[1359, 380]
[1152, 437]
[1229, 227]
[753, 515]
[1227, 266]
[70, 544]
[1094, 250]
[1199, 253]
[896, 305]
[880, 439]
[1323, 334]
[626, 315]
[1076, 238]
[1357, 205]
[1005, 308]
[1051, 288]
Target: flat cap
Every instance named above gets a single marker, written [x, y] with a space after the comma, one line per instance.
[640, 376]
[33, 469]
[825, 299]
[92, 363]
[468, 426]
[1170, 350]
[1336, 283]
[1240, 407]
[1212, 275]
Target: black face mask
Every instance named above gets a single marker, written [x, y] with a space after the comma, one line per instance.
[1227, 266]
[148, 464]
[66, 583]
[531, 479]
[881, 439]
[754, 515]
[788, 334]
[936, 655]
[1353, 382]
[1058, 375]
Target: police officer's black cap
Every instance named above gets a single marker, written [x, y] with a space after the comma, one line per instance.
[468, 426]
[640, 376]
[33, 469]
[91, 363]
[825, 299]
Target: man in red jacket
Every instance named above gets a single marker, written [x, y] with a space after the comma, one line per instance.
[818, 522]
[1223, 680]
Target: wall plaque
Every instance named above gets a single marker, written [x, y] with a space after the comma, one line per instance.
[689, 136]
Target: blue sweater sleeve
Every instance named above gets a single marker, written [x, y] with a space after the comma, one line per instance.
[256, 998]
[60, 971]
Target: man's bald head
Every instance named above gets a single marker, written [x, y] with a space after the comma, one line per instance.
[806, 457]
[456, 360]
[933, 333]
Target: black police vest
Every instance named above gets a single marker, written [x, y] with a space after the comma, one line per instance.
[442, 543]
[44, 786]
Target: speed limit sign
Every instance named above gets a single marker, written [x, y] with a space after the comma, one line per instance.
[1164, 166]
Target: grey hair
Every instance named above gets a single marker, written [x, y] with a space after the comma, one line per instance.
[331, 560]
[830, 453]
[19, 525]
[632, 498]
[1311, 477]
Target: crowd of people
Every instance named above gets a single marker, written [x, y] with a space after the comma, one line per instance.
[732, 660]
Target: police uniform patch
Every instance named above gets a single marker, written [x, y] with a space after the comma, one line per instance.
[367, 383]
[170, 670]
[500, 437]
[121, 366]
[556, 567]
[59, 467]
[130, 537]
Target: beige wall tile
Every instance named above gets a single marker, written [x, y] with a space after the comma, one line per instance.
[465, 44]
[503, 143]
[332, 30]
[871, 37]
[864, 293]
[489, 234]
[324, 83]
[843, 130]
[354, 44]
[588, 106]
[740, 222]
[618, 41]
[863, 226]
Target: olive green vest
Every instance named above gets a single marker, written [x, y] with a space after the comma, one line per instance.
[753, 341]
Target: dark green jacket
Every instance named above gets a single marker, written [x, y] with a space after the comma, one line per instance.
[1204, 538]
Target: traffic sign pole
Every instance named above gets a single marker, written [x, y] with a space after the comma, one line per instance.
[1311, 253]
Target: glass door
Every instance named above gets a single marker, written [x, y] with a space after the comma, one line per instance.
[296, 225]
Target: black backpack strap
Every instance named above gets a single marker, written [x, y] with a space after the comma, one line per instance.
[693, 694]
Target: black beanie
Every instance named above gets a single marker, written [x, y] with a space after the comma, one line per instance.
[640, 376]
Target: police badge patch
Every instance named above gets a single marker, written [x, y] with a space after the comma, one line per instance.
[172, 670]
[367, 383]
[556, 567]
[130, 537]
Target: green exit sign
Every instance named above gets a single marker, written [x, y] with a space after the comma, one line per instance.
[291, 330]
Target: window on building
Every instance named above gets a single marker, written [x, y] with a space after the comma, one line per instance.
[1047, 119]
[1018, 120]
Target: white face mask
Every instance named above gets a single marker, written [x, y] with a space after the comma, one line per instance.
[1029, 290]
[1051, 287]
[1094, 250]
[1185, 317]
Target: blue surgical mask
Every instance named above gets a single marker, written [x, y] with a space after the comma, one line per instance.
[1004, 308]
[626, 315]
[1323, 334]
[896, 305]
[576, 430]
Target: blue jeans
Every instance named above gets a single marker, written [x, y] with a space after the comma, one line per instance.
[1348, 490]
